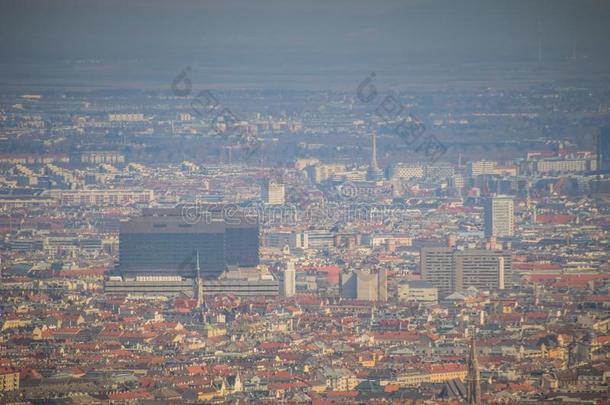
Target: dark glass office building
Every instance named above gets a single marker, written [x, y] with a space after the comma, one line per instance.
[241, 245]
[162, 243]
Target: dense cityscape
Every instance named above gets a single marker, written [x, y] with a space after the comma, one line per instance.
[446, 243]
[231, 278]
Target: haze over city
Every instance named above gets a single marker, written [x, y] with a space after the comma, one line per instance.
[306, 45]
[323, 202]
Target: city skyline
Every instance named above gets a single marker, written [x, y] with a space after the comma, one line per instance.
[324, 202]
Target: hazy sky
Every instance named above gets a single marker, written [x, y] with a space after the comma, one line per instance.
[290, 37]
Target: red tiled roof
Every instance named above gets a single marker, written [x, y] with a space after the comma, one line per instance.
[286, 385]
[130, 395]
[94, 272]
[404, 335]
[603, 340]
[195, 370]
[66, 331]
[598, 298]
[555, 219]
[342, 394]
[445, 368]
[536, 266]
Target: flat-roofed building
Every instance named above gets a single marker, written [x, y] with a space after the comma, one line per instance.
[148, 285]
[560, 165]
[167, 245]
[319, 172]
[603, 149]
[483, 269]
[97, 157]
[294, 240]
[499, 218]
[402, 171]
[320, 239]
[103, 198]
[436, 266]
[242, 282]
[165, 242]
[417, 291]
[273, 193]
[12, 198]
[126, 117]
[9, 379]
[480, 167]
[365, 285]
[451, 270]
[289, 280]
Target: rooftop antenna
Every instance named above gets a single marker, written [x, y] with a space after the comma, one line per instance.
[539, 42]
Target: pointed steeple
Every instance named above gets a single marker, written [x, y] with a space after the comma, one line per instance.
[198, 268]
[473, 380]
[199, 286]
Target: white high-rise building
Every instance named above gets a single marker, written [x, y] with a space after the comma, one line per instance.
[273, 193]
[289, 284]
[482, 167]
[499, 217]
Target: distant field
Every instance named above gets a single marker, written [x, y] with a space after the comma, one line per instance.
[158, 76]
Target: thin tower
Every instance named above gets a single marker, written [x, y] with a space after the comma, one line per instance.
[539, 42]
[374, 151]
[199, 286]
[473, 380]
[374, 173]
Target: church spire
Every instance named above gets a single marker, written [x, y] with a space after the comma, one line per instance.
[198, 286]
[473, 380]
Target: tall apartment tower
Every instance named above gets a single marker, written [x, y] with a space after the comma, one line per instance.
[347, 280]
[382, 285]
[499, 217]
[436, 265]
[289, 284]
[365, 285]
[273, 193]
[483, 269]
[603, 149]
[374, 149]
[371, 285]
[451, 270]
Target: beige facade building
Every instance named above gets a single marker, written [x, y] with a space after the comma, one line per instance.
[9, 380]
[452, 270]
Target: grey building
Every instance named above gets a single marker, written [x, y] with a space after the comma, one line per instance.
[452, 270]
[365, 285]
[499, 217]
[603, 149]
